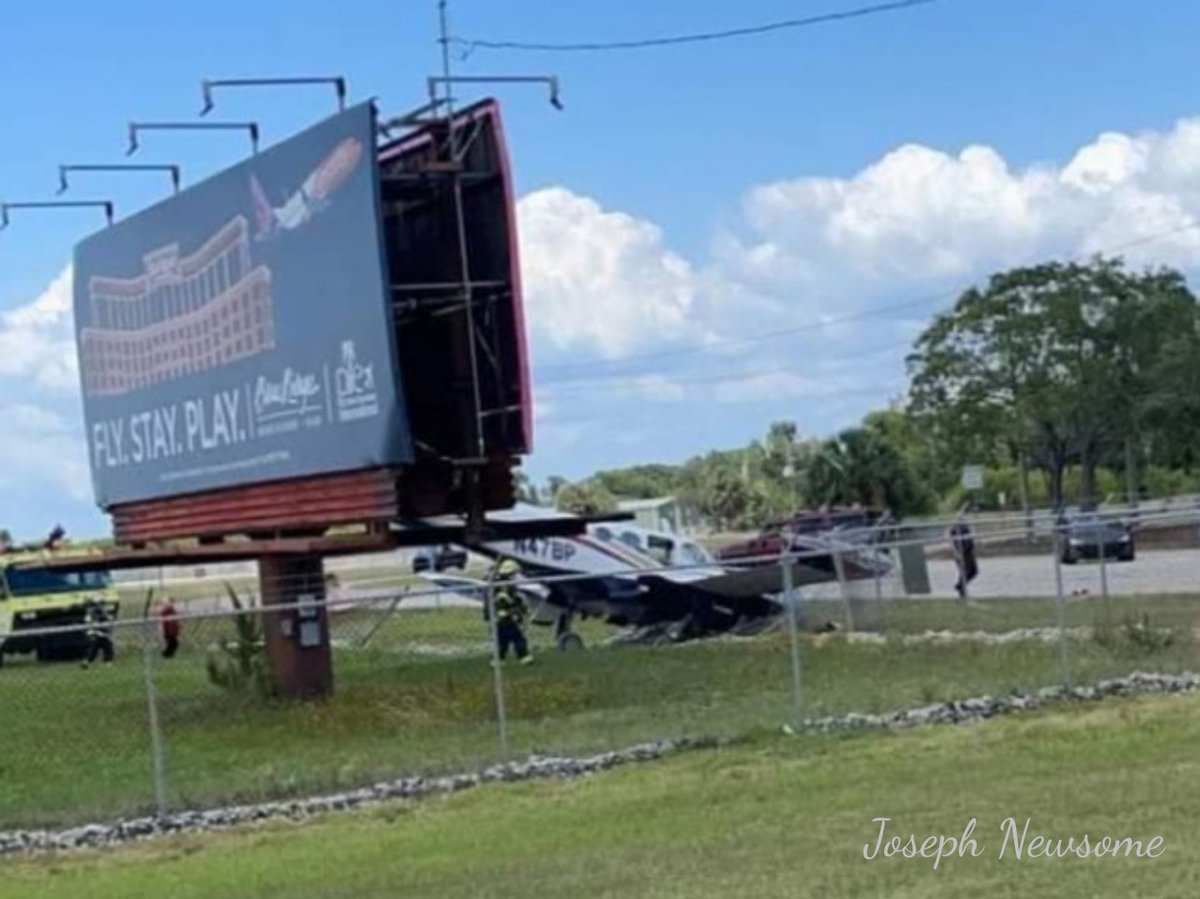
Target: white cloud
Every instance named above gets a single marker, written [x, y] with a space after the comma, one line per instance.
[37, 340]
[600, 279]
[43, 454]
[43, 449]
[920, 218]
[918, 222]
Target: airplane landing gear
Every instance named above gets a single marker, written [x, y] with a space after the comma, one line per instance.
[570, 641]
[566, 639]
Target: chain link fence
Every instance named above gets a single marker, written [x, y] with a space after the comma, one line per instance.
[419, 689]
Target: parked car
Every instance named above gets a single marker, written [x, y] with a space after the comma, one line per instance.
[439, 558]
[1090, 537]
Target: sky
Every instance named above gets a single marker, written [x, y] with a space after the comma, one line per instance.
[713, 236]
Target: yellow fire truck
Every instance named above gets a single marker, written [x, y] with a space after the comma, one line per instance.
[35, 596]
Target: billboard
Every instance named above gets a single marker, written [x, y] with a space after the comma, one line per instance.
[242, 331]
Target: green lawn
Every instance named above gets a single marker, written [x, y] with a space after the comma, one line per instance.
[917, 615]
[76, 744]
[769, 817]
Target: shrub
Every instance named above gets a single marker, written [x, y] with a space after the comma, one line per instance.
[1133, 636]
[240, 664]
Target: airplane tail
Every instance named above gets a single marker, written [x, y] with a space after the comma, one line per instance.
[264, 214]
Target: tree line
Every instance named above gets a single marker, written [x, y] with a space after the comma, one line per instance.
[1068, 382]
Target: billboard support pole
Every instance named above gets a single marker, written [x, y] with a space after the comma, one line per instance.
[172, 169]
[207, 85]
[106, 205]
[136, 127]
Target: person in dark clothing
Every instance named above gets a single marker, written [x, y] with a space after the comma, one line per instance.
[510, 612]
[98, 633]
[170, 629]
[964, 555]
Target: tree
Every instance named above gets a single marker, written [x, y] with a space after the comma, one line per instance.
[727, 500]
[554, 483]
[641, 481]
[585, 498]
[527, 491]
[862, 466]
[1049, 363]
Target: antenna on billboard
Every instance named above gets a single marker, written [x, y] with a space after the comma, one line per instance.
[64, 186]
[136, 128]
[550, 81]
[106, 205]
[209, 84]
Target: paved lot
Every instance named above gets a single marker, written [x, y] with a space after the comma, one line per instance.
[1154, 571]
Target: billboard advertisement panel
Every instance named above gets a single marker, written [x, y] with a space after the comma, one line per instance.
[242, 331]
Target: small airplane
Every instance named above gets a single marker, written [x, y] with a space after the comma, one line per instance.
[643, 578]
[312, 195]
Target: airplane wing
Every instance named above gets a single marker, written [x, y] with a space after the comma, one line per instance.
[767, 577]
[468, 591]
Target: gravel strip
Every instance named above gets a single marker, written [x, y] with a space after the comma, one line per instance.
[989, 638]
[966, 711]
[93, 836]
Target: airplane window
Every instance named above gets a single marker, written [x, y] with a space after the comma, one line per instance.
[660, 549]
[604, 534]
[691, 554]
[629, 538]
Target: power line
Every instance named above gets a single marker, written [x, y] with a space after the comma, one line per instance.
[818, 324]
[814, 325]
[634, 381]
[470, 44]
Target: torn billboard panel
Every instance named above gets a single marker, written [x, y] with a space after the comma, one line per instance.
[242, 331]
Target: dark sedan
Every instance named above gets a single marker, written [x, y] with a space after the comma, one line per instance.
[441, 558]
[1094, 537]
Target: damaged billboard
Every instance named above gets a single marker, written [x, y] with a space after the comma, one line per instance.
[242, 331]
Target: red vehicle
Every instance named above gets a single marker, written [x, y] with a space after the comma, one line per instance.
[850, 523]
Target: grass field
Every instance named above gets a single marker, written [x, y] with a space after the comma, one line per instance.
[77, 746]
[769, 817]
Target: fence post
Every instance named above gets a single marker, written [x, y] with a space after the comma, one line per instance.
[1103, 572]
[792, 599]
[497, 666]
[156, 743]
[1061, 603]
[840, 567]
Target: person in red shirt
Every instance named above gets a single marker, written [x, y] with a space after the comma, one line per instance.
[170, 628]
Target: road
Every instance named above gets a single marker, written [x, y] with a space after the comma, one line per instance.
[1154, 571]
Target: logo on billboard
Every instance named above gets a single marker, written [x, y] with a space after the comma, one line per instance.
[285, 403]
[356, 396]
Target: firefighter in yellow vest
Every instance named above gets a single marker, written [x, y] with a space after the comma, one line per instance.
[510, 611]
[98, 633]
